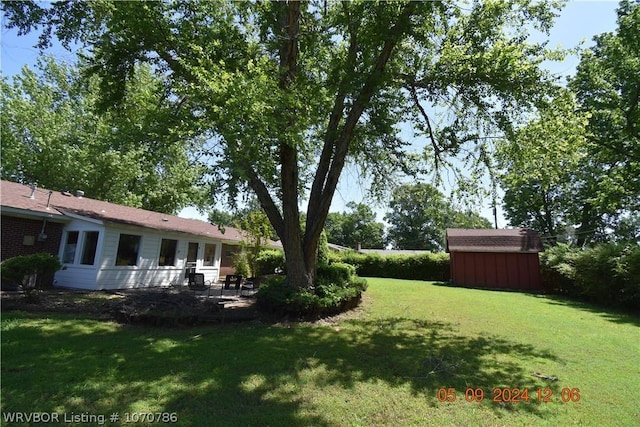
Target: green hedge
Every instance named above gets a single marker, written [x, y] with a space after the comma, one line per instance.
[606, 274]
[270, 261]
[429, 266]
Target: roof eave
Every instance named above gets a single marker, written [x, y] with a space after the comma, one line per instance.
[29, 213]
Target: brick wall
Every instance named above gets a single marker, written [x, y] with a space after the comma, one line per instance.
[19, 236]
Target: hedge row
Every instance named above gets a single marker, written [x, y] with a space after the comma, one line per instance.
[430, 266]
[607, 274]
[417, 267]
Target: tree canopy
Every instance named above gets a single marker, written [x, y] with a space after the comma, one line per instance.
[419, 215]
[356, 226]
[137, 155]
[292, 91]
[576, 166]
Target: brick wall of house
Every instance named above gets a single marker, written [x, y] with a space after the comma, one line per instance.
[226, 259]
[19, 236]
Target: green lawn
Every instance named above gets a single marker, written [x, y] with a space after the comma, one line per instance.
[387, 363]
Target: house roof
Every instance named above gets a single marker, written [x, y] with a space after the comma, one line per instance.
[519, 240]
[53, 204]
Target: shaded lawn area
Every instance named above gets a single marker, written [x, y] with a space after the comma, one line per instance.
[382, 364]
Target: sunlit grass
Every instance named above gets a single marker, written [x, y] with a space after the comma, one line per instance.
[381, 365]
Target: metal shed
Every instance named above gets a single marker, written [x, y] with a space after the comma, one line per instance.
[497, 259]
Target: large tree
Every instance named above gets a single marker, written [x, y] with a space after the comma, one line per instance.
[577, 164]
[540, 165]
[419, 215]
[607, 86]
[54, 135]
[292, 90]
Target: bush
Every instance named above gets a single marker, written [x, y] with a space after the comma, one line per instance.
[338, 289]
[338, 273]
[430, 266]
[241, 263]
[557, 265]
[269, 262]
[608, 273]
[31, 272]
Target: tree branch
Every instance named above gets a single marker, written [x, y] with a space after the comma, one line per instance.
[342, 144]
[331, 133]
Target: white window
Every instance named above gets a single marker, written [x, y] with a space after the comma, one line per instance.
[70, 246]
[209, 255]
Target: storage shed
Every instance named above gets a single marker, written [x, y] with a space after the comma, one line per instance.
[497, 259]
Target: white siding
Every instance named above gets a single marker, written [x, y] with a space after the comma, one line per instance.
[104, 274]
[147, 272]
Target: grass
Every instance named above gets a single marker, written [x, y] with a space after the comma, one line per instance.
[383, 364]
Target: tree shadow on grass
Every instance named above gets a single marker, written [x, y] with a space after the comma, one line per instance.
[611, 314]
[622, 316]
[248, 374]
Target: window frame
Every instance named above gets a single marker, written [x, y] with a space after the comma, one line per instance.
[211, 263]
[85, 247]
[173, 256]
[66, 249]
[137, 251]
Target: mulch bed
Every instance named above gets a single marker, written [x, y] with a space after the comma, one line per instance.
[154, 307]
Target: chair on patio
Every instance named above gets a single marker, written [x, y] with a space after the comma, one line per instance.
[197, 283]
[232, 279]
[250, 287]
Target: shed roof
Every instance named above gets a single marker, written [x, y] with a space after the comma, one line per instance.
[58, 205]
[518, 240]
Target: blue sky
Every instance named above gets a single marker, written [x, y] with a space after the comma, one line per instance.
[578, 22]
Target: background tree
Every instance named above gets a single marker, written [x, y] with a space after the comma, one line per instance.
[607, 86]
[358, 225]
[419, 216]
[540, 167]
[256, 229]
[53, 135]
[577, 165]
[292, 90]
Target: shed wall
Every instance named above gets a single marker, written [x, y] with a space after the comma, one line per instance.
[496, 270]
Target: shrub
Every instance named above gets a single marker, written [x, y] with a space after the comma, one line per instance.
[557, 265]
[607, 274]
[269, 262]
[323, 249]
[241, 263]
[337, 289]
[338, 273]
[430, 266]
[32, 272]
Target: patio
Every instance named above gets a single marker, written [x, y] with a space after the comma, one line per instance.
[160, 306]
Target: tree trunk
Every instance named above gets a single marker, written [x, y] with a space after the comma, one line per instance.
[585, 230]
[301, 251]
[297, 270]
